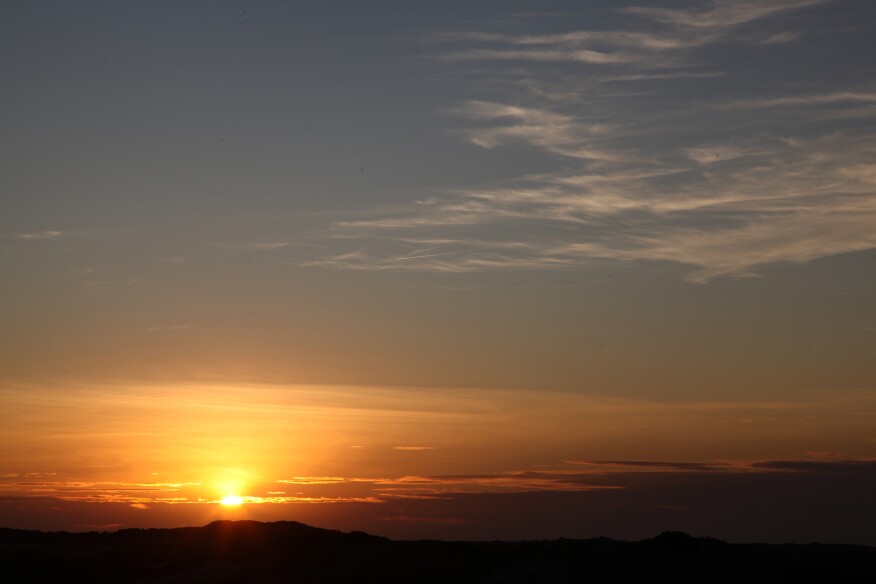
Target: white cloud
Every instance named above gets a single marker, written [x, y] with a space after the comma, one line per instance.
[781, 38]
[723, 14]
[707, 155]
[688, 29]
[668, 75]
[782, 201]
[822, 99]
[555, 132]
[660, 174]
[577, 56]
[39, 235]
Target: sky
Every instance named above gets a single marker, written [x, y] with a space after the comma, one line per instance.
[451, 269]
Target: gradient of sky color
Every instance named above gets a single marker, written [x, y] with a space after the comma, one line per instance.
[412, 267]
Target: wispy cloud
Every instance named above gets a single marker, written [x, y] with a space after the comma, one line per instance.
[313, 480]
[819, 466]
[39, 235]
[780, 38]
[660, 465]
[579, 56]
[737, 208]
[683, 29]
[526, 480]
[555, 132]
[681, 172]
[717, 15]
[822, 99]
[260, 246]
[103, 491]
[615, 477]
[665, 76]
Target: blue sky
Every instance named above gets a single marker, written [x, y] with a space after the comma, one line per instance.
[235, 171]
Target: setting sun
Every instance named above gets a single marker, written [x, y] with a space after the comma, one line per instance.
[232, 501]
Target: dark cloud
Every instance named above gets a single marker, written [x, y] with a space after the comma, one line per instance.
[820, 466]
[704, 466]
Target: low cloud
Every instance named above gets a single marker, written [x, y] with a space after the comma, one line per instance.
[819, 466]
[313, 480]
[658, 465]
[773, 500]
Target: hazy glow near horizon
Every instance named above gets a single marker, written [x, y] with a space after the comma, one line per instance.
[309, 451]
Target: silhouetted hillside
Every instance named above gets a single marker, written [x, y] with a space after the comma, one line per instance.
[229, 552]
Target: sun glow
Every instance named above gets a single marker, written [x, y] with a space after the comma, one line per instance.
[232, 501]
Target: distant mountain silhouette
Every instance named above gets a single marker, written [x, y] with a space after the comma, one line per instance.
[236, 552]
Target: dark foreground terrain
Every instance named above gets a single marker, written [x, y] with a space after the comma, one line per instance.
[247, 551]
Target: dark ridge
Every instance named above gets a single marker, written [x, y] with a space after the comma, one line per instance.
[234, 552]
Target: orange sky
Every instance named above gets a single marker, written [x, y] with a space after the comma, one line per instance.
[152, 449]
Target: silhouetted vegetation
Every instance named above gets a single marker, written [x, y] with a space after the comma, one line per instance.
[231, 552]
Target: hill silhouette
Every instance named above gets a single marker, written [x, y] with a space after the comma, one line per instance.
[234, 552]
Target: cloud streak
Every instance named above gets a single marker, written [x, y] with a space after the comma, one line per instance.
[39, 235]
[682, 172]
[726, 211]
[676, 30]
[720, 15]
[574, 476]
